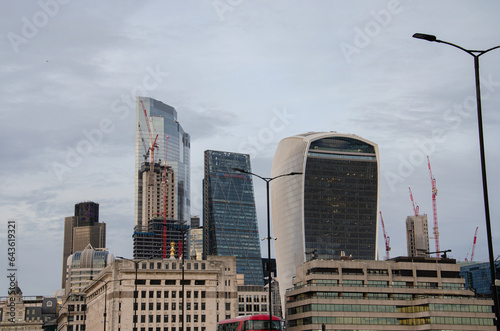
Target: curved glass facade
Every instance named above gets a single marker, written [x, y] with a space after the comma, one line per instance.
[340, 199]
[163, 121]
[332, 208]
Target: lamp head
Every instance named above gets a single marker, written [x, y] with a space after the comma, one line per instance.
[424, 36]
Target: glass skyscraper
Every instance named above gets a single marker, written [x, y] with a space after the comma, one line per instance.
[229, 216]
[331, 210]
[163, 122]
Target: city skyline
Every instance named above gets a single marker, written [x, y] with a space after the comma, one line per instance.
[241, 77]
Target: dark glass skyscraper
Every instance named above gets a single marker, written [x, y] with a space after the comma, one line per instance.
[332, 209]
[229, 216]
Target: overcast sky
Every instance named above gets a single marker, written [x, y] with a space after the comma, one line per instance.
[242, 75]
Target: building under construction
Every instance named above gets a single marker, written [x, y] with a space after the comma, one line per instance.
[157, 192]
[159, 240]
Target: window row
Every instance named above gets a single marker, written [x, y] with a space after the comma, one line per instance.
[173, 294]
[170, 306]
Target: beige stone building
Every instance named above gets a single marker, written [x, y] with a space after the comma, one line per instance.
[18, 312]
[399, 294]
[210, 295]
[252, 300]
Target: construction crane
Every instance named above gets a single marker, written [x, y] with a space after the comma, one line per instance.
[387, 239]
[153, 145]
[473, 247]
[146, 149]
[434, 208]
[415, 207]
[164, 183]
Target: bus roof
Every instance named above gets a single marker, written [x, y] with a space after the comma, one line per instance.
[259, 317]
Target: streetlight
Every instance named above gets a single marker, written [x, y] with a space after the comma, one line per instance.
[476, 54]
[267, 180]
[105, 296]
[135, 288]
[183, 228]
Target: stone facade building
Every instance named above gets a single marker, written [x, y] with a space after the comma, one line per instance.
[210, 295]
[18, 312]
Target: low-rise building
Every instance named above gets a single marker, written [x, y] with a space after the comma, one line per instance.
[252, 300]
[18, 312]
[399, 294]
[209, 287]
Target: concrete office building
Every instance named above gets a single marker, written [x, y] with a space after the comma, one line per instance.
[84, 266]
[80, 230]
[210, 295]
[162, 120]
[229, 216]
[329, 210]
[252, 300]
[417, 236]
[399, 294]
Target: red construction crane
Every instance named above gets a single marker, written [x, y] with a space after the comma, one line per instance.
[434, 208]
[473, 246]
[415, 207]
[386, 238]
[151, 141]
[164, 183]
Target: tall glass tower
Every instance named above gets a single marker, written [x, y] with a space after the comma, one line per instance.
[331, 210]
[229, 216]
[163, 122]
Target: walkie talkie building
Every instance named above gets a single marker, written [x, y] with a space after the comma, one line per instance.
[331, 210]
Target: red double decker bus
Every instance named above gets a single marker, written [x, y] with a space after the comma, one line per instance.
[249, 323]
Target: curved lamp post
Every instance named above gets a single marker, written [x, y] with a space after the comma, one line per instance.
[267, 180]
[476, 54]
